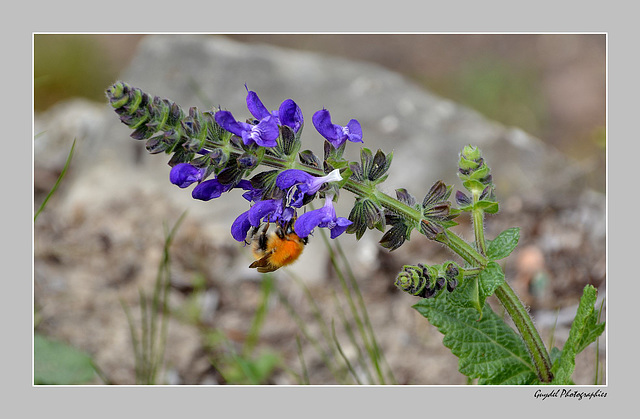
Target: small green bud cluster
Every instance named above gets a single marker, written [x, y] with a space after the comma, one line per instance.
[476, 177]
[427, 281]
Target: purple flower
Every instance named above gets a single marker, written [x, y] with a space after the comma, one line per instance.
[336, 134]
[288, 114]
[291, 115]
[184, 174]
[306, 184]
[324, 217]
[212, 188]
[209, 189]
[241, 226]
[271, 210]
[264, 133]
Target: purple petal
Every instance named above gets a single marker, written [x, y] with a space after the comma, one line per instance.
[257, 109]
[245, 185]
[340, 227]
[184, 174]
[209, 189]
[322, 121]
[355, 131]
[290, 177]
[269, 131]
[262, 209]
[264, 134]
[290, 115]
[241, 226]
[309, 220]
[226, 120]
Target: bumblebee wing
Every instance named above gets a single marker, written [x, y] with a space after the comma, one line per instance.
[263, 264]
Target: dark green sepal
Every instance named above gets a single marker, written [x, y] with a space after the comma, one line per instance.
[432, 230]
[288, 142]
[399, 232]
[464, 201]
[404, 196]
[219, 157]
[266, 182]
[356, 170]
[333, 153]
[214, 132]
[309, 159]
[381, 164]
[158, 144]
[204, 162]
[365, 213]
[180, 156]
[438, 192]
[232, 172]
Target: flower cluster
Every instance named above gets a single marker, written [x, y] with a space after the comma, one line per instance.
[275, 195]
[218, 153]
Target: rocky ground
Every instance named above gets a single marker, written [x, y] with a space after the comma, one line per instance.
[100, 240]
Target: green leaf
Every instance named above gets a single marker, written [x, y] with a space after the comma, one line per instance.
[487, 349]
[475, 291]
[584, 330]
[473, 185]
[503, 244]
[490, 279]
[57, 363]
[489, 207]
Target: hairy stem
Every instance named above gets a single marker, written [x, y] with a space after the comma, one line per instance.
[527, 330]
[478, 226]
[515, 308]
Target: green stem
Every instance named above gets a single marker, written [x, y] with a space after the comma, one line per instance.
[475, 258]
[478, 226]
[527, 330]
[515, 308]
[463, 249]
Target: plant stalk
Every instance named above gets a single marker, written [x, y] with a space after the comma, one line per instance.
[527, 330]
[475, 258]
[514, 307]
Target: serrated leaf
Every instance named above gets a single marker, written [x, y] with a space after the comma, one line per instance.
[487, 349]
[503, 244]
[468, 295]
[584, 330]
[57, 363]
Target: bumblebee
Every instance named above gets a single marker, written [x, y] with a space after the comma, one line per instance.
[275, 249]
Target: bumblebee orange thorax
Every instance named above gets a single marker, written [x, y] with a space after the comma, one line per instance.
[285, 251]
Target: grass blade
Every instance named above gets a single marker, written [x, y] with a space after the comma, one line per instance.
[55, 186]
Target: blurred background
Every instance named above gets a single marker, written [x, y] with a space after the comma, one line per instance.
[551, 86]
[99, 242]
